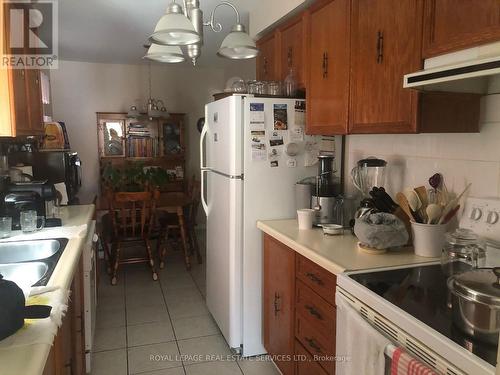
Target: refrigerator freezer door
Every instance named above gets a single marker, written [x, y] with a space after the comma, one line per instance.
[223, 140]
[269, 194]
[224, 247]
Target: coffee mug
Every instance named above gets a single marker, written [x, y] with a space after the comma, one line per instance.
[29, 219]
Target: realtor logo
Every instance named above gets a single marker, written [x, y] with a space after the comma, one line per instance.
[31, 39]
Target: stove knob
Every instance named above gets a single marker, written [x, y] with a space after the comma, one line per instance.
[476, 214]
[492, 217]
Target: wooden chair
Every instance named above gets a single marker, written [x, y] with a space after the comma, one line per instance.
[169, 223]
[132, 220]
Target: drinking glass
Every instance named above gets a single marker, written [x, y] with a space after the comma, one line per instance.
[29, 221]
[5, 227]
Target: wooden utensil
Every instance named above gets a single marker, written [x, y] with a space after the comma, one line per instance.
[433, 213]
[422, 195]
[403, 203]
[451, 214]
[453, 203]
[414, 203]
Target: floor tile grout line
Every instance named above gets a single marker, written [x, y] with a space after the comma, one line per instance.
[126, 319]
[171, 323]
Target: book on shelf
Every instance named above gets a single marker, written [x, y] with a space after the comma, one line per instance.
[143, 146]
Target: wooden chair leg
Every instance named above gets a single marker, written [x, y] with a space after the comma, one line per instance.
[163, 250]
[182, 226]
[116, 263]
[151, 260]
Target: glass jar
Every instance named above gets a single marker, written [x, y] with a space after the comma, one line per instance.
[256, 87]
[239, 87]
[273, 88]
[463, 249]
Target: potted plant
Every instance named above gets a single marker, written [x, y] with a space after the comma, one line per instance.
[134, 177]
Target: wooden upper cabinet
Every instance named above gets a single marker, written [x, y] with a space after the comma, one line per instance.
[327, 43]
[267, 59]
[292, 50]
[279, 299]
[385, 45]
[451, 25]
[20, 91]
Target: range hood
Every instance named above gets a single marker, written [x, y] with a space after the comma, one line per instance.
[475, 70]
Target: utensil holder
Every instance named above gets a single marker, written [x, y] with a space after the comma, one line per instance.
[428, 239]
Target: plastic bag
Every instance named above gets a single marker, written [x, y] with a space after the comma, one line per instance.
[381, 231]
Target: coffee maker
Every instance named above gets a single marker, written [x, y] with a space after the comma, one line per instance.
[326, 197]
[34, 195]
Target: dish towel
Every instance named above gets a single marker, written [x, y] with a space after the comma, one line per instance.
[40, 331]
[405, 364]
[360, 347]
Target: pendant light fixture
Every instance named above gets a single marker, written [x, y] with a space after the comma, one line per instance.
[165, 54]
[184, 26]
[174, 28]
[154, 108]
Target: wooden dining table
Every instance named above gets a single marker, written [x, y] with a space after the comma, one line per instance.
[169, 202]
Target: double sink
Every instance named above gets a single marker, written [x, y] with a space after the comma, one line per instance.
[30, 262]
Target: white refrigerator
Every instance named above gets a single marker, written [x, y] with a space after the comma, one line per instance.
[248, 173]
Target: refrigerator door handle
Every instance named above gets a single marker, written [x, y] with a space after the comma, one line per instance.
[202, 191]
[202, 147]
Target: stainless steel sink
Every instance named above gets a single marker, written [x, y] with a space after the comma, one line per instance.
[30, 263]
[25, 251]
[24, 274]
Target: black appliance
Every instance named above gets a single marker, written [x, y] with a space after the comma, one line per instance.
[55, 167]
[422, 292]
[29, 196]
[13, 309]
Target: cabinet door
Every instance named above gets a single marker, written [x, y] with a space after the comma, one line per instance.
[451, 25]
[266, 60]
[20, 98]
[328, 67]
[34, 95]
[291, 50]
[279, 280]
[386, 40]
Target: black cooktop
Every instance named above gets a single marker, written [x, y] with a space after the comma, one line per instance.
[422, 292]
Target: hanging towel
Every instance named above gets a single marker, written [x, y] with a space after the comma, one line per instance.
[360, 347]
[405, 364]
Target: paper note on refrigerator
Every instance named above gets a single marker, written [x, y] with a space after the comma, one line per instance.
[257, 117]
[280, 117]
[258, 144]
[297, 130]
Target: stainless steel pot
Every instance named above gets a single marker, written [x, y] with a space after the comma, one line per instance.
[476, 303]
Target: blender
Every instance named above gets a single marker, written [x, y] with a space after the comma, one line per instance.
[367, 174]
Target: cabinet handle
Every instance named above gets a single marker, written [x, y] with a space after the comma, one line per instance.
[265, 66]
[314, 312]
[290, 57]
[325, 64]
[314, 278]
[380, 47]
[313, 344]
[277, 303]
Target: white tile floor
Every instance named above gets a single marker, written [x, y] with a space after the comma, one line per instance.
[163, 327]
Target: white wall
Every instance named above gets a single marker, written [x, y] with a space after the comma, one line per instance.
[462, 158]
[81, 89]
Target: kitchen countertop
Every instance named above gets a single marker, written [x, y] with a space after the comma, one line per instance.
[30, 360]
[335, 253]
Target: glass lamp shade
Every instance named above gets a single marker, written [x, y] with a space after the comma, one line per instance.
[165, 54]
[238, 45]
[174, 29]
